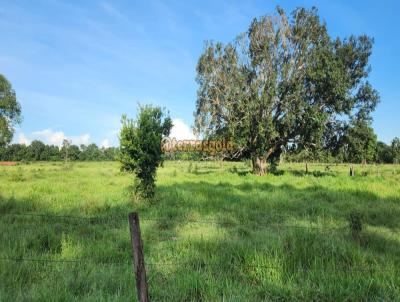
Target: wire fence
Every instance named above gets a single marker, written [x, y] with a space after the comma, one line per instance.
[66, 261]
[167, 222]
[196, 264]
[180, 220]
[201, 264]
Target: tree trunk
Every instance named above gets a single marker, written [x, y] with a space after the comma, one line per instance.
[259, 165]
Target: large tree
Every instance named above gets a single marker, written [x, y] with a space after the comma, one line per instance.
[283, 82]
[10, 111]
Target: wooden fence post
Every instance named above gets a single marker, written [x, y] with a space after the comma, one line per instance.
[138, 258]
[352, 173]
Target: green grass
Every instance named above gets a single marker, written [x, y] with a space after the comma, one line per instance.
[214, 233]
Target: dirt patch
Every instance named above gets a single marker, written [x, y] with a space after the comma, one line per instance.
[8, 163]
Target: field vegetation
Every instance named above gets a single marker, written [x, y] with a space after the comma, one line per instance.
[214, 232]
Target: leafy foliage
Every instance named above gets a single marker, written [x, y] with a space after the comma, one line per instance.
[384, 153]
[10, 111]
[140, 146]
[396, 150]
[283, 82]
[359, 142]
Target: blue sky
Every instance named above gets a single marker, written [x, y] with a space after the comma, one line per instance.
[78, 65]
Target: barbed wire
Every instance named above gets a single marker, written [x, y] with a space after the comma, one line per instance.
[64, 261]
[182, 220]
[125, 217]
[54, 216]
[202, 264]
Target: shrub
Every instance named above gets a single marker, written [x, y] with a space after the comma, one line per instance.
[355, 224]
[140, 147]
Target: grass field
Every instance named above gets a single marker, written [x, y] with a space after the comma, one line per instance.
[214, 233]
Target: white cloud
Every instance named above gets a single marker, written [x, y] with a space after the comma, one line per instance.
[105, 143]
[22, 139]
[51, 137]
[180, 130]
[83, 139]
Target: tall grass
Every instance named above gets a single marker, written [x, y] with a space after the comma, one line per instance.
[214, 233]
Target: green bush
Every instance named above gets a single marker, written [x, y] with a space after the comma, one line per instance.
[140, 147]
[355, 223]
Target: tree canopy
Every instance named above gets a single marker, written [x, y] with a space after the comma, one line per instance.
[283, 82]
[10, 111]
[359, 142]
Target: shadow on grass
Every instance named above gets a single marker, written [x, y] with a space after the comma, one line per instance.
[303, 255]
[259, 201]
[103, 246]
[233, 263]
[316, 173]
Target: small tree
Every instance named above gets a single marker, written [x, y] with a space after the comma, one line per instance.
[140, 146]
[395, 146]
[65, 149]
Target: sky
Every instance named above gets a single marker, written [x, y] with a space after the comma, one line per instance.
[77, 66]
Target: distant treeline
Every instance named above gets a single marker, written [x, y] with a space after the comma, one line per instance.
[351, 151]
[377, 152]
[38, 151]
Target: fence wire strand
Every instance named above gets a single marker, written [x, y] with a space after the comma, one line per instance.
[197, 264]
[168, 220]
